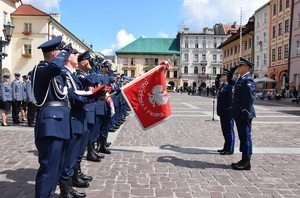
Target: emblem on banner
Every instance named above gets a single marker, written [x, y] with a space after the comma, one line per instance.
[158, 96]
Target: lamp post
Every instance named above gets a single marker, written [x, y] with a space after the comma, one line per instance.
[7, 32]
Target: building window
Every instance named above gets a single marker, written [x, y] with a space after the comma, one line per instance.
[151, 61]
[195, 70]
[175, 74]
[132, 73]
[203, 70]
[196, 57]
[298, 48]
[28, 27]
[132, 61]
[214, 57]
[245, 45]
[221, 57]
[279, 53]
[186, 57]
[274, 32]
[257, 40]
[257, 61]
[186, 44]
[146, 61]
[279, 29]
[4, 17]
[224, 53]
[204, 44]
[231, 51]
[250, 42]
[175, 62]
[125, 73]
[280, 5]
[196, 44]
[287, 3]
[125, 61]
[287, 26]
[27, 49]
[266, 17]
[168, 74]
[186, 69]
[235, 49]
[214, 70]
[274, 9]
[286, 51]
[273, 54]
[203, 57]
[265, 37]
[215, 44]
[265, 59]
[146, 71]
[156, 61]
[228, 52]
[257, 21]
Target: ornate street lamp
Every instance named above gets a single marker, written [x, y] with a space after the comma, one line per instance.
[7, 31]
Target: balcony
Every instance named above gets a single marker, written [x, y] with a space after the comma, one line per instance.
[203, 63]
[215, 63]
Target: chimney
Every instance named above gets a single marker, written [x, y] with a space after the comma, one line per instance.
[55, 16]
[186, 30]
[234, 25]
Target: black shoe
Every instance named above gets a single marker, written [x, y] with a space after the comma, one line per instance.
[118, 124]
[64, 190]
[91, 155]
[112, 130]
[103, 149]
[222, 150]
[83, 176]
[31, 125]
[108, 144]
[16, 122]
[244, 164]
[4, 124]
[98, 155]
[77, 181]
[226, 153]
[116, 127]
[74, 192]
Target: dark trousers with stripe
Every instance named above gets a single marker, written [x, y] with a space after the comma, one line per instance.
[51, 151]
[244, 131]
[228, 133]
[16, 108]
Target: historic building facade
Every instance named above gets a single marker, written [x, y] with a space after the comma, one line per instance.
[279, 42]
[143, 54]
[200, 58]
[261, 42]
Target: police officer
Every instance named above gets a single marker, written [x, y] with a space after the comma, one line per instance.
[224, 110]
[243, 111]
[17, 96]
[24, 102]
[52, 127]
[30, 105]
[89, 80]
[6, 97]
[69, 175]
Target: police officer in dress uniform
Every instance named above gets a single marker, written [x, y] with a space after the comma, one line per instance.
[89, 80]
[52, 127]
[17, 95]
[6, 97]
[24, 102]
[243, 110]
[69, 175]
[224, 110]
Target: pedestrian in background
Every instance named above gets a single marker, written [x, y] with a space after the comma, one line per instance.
[6, 97]
[24, 102]
[17, 96]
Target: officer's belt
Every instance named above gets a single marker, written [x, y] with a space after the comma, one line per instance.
[55, 104]
[236, 100]
[78, 107]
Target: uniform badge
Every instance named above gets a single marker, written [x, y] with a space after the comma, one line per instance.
[249, 85]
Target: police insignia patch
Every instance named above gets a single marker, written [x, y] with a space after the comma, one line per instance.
[249, 85]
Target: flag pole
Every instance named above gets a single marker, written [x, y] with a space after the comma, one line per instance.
[241, 32]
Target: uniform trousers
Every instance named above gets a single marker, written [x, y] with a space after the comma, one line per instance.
[83, 145]
[70, 158]
[16, 108]
[244, 131]
[51, 152]
[105, 119]
[228, 133]
[30, 113]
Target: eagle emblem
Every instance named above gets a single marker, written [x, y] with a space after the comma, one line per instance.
[158, 96]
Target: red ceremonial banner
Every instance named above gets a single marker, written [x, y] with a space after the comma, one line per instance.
[148, 97]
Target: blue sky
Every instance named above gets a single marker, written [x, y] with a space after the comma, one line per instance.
[112, 24]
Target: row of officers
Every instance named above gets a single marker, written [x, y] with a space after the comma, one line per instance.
[67, 123]
[18, 96]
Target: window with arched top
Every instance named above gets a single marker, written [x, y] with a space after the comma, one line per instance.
[186, 69]
[214, 70]
[195, 70]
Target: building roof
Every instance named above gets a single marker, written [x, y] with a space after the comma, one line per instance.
[29, 10]
[151, 46]
[228, 29]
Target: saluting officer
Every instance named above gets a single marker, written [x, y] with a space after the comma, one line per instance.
[243, 111]
[6, 97]
[52, 127]
[224, 110]
[17, 96]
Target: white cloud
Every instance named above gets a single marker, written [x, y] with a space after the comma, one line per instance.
[162, 35]
[123, 39]
[198, 14]
[44, 5]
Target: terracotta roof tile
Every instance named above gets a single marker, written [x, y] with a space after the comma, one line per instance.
[27, 9]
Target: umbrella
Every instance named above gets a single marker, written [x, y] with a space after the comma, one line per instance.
[264, 80]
